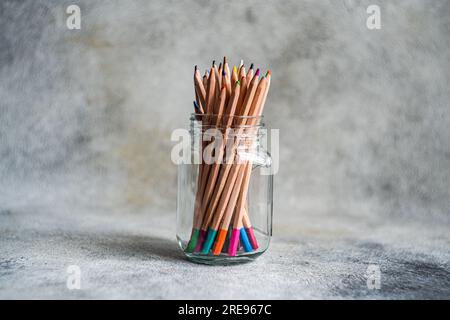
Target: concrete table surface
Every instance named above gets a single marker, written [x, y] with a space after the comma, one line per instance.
[134, 255]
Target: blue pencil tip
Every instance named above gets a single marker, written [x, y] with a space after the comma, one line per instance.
[196, 107]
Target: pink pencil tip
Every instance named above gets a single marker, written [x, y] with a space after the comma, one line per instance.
[257, 72]
[234, 241]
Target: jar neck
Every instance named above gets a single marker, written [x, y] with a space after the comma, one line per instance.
[203, 122]
[238, 135]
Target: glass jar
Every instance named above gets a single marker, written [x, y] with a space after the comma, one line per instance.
[225, 197]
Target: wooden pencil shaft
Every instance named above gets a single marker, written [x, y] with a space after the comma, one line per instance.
[245, 184]
[243, 94]
[218, 84]
[231, 204]
[205, 82]
[225, 184]
[210, 102]
[241, 72]
[225, 200]
[243, 187]
[212, 171]
[211, 92]
[200, 90]
[219, 74]
[237, 185]
[215, 169]
[222, 187]
[246, 218]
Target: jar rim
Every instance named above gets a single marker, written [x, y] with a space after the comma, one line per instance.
[196, 116]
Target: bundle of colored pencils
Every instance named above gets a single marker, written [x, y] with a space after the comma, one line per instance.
[225, 100]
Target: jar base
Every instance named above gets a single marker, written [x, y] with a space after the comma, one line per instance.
[222, 260]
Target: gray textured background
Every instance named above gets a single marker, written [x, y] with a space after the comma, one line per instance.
[85, 123]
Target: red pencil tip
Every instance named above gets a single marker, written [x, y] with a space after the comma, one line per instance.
[257, 72]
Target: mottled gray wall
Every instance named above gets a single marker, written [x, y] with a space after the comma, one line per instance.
[86, 115]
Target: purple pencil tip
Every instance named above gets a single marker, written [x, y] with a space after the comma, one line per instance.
[257, 72]
[224, 73]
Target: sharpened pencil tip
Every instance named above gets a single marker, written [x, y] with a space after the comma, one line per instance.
[251, 66]
[268, 73]
[224, 60]
[224, 73]
[195, 68]
[238, 83]
[234, 69]
[214, 63]
[196, 107]
[220, 65]
[257, 72]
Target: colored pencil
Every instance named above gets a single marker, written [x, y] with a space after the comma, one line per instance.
[226, 100]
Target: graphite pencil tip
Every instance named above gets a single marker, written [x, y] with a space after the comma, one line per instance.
[214, 63]
[251, 66]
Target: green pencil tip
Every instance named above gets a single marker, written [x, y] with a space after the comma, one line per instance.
[193, 242]
[238, 83]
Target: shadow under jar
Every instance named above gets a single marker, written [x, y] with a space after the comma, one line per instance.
[225, 196]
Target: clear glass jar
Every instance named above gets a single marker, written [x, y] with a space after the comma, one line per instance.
[225, 197]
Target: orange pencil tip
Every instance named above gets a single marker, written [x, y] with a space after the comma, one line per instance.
[217, 249]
